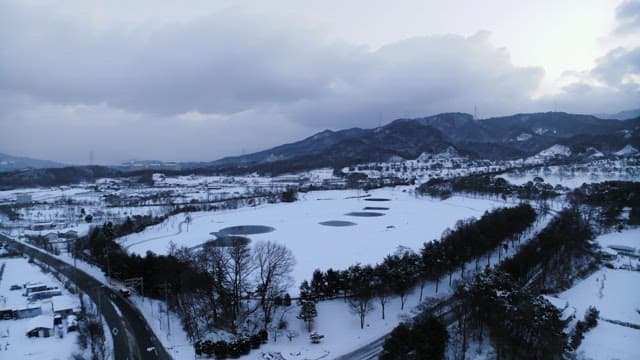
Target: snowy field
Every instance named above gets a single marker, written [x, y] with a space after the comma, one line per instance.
[409, 221]
[629, 238]
[615, 293]
[14, 343]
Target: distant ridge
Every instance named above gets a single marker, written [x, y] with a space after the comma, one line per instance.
[622, 115]
[12, 163]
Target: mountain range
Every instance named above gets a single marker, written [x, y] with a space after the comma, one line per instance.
[499, 138]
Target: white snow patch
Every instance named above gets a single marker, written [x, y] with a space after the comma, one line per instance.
[524, 137]
[555, 150]
[628, 150]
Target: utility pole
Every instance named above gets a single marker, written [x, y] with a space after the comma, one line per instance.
[99, 300]
[166, 307]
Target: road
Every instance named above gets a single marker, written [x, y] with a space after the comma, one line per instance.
[132, 337]
[373, 349]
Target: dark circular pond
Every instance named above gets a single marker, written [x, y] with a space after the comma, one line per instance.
[365, 214]
[376, 208]
[225, 241]
[377, 199]
[246, 230]
[338, 223]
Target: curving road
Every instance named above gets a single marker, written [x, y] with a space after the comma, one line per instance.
[372, 350]
[132, 337]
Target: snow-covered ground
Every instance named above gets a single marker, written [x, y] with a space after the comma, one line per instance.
[573, 176]
[409, 221]
[615, 293]
[14, 343]
[629, 238]
[610, 341]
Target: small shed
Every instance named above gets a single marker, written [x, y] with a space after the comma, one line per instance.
[6, 314]
[608, 254]
[28, 312]
[65, 305]
[40, 326]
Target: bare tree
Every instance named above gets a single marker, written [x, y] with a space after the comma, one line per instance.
[361, 300]
[274, 264]
[240, 266]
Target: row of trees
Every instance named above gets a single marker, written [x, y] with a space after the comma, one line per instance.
[521, 324]
[607, 200]
[488, 184]
[364, 285]
[505, 303]
[556, 256]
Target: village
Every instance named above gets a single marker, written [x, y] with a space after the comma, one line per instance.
[39, 310]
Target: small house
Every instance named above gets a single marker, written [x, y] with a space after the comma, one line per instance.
[608, 254]
[30, 288]
[65, 305]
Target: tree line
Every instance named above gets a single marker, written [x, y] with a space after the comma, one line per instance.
[364, 286]
[606, 201]
[504, 304]
[489, 184]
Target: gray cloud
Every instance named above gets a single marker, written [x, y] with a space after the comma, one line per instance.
[231, 62]
[225, 62]
[616, 65]
[232, 81]
[614, 83]
[628, 17]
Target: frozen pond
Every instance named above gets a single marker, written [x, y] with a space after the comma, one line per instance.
[375, 208]
[310, 227]
[225, 241]
[246, 230]
[337, 223]
[364, 213]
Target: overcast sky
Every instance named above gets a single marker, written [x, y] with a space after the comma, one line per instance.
[202, 79]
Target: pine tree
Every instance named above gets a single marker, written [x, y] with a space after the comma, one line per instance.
[307, 313]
